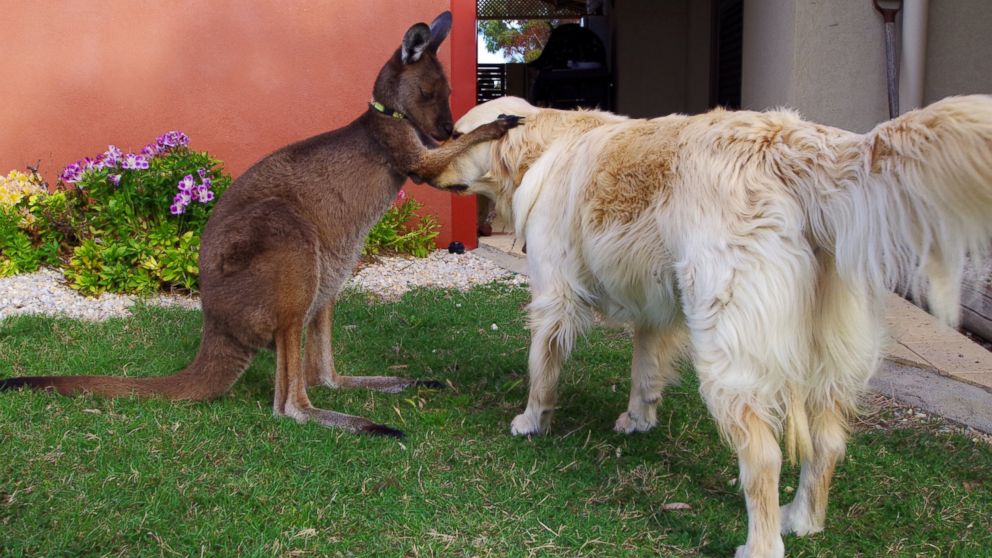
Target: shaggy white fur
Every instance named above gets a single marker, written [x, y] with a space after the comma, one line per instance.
[764, 240]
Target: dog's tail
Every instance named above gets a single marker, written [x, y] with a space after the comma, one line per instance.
[911, 202]
[218, 364]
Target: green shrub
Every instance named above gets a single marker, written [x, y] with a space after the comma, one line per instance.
[401, 231]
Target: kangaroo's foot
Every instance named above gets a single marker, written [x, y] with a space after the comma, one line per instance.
[387, 384]
[333, 419]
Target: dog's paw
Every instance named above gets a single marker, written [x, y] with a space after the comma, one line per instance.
[628, 423]
[525, 425]
[776, 551]
[798, 521]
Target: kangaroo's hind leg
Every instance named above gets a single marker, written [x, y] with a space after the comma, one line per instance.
[281, 274]
[291, 390]
[320, 367]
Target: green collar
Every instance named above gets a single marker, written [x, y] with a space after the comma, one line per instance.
[376, 105]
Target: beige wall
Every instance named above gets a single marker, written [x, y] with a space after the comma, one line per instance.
[827, 58]
[769, 53]
[959, 49]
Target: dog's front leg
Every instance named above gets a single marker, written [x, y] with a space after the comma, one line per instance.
[651, 370]
[552, 336]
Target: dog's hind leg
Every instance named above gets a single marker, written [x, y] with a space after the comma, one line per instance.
[807, 511]
[748, 425]
[847, 344]
[749, 328]
[651, 371]
[320, 368]
[760, 463]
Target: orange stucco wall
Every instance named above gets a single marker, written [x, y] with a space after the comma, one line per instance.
[240, 78]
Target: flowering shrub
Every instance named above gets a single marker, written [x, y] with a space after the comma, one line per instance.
[401, 230]
[143, 216]
[131, 222]
[34, 225]
[16, 185]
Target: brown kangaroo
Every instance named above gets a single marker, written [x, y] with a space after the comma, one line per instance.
[287, 234]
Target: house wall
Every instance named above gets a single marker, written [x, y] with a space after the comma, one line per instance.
[827, 59]
[661, 54]
[241, 79]
[959, 48]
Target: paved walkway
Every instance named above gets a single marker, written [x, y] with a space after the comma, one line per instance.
[929, 365]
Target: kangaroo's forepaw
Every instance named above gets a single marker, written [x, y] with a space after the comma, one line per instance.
[510, 120]
[629, 423]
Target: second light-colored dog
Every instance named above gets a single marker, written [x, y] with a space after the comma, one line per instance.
[765, 240]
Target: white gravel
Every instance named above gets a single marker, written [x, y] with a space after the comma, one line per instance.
[390, 277]
[45, 291]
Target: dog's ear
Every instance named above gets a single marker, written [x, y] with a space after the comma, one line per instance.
[415, 42]
[439, 30]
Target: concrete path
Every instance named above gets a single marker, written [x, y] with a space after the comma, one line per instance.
[929, 365]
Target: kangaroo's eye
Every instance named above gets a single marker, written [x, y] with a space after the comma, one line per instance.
[426, 94]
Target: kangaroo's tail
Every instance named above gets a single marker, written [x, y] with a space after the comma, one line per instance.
[219, 363]
[916, 203]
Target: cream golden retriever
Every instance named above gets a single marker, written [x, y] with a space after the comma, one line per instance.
[762, 242]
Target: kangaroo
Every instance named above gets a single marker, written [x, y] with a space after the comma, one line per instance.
[284, 238]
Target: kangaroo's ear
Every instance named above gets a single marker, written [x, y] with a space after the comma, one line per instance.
[439, 30]
[415, 42]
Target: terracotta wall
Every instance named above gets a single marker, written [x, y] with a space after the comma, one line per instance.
[240, 78]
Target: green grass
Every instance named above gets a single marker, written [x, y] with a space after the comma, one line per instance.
[84, 476]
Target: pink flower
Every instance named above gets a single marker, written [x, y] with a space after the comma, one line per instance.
[72, 173]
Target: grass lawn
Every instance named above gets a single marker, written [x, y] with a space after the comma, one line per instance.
[84, 476]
